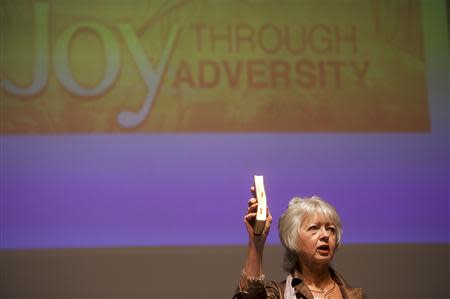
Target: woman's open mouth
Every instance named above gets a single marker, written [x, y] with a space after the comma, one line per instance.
[323, 249]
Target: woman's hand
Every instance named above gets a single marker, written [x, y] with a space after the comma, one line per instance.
[253, 266]
[250, 218]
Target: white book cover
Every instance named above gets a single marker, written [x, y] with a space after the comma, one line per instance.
[261, 214]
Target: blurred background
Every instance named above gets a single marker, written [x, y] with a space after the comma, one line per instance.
[131, 131]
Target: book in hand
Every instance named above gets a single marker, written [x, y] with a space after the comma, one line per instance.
[261, 214]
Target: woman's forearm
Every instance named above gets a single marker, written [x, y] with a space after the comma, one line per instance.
[254, 261]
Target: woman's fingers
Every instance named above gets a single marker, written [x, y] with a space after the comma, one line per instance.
[249, 219]
[253, 208]
[250, 216]
[268, 219]
[253, 191]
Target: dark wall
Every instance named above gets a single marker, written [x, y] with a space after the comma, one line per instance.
[384, 271]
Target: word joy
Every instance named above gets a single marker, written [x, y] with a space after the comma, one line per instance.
[150, 75]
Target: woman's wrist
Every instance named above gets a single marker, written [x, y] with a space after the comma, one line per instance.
[251, 278]
[249, 281]
[257, 243]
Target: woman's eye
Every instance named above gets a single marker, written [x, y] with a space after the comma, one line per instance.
[313, 227]
[331, 229]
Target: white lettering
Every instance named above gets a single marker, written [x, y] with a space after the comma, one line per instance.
[40, 76]
[151, 77]
[61, 59]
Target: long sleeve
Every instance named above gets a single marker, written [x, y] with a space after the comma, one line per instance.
[259, 290]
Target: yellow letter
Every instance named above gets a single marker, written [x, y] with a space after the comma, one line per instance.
[40, 76]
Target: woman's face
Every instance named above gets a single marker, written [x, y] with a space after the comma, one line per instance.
[317, 240]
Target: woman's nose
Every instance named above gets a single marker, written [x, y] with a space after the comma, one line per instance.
[324, 233]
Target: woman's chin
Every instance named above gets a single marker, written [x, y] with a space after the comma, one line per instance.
[323, 258]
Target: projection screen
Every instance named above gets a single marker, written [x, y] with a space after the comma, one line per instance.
[142, 123]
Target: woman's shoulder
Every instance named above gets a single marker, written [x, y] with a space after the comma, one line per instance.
[275, 289]
[350, 291]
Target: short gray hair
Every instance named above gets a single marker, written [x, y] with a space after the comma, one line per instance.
[289, 225]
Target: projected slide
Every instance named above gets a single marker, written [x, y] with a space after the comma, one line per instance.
[137, 123]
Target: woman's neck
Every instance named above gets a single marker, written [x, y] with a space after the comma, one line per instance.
[316, 275]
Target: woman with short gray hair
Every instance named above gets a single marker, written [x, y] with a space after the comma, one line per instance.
[310, 230]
